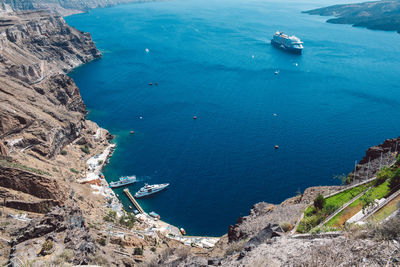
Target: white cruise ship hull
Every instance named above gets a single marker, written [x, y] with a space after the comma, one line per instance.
[287, 48]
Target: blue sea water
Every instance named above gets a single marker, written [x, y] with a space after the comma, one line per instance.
[212, 59]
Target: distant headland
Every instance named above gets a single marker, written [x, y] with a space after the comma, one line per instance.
[377, 15]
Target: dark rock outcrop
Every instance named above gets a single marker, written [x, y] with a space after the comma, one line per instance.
[64, 222]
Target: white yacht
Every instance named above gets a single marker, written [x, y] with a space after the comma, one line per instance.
[147, 190]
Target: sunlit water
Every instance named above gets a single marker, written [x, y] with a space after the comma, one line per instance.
[212, 59]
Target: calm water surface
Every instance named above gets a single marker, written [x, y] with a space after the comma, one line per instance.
[213, 59]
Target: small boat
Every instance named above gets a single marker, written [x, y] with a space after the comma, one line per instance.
[123, 181]
[148, 190]
[132, 132]
[130, 207]
[194, 117]
[276, 72]
[150, 83]
[154, 215]
[276, 146]
[183, 232]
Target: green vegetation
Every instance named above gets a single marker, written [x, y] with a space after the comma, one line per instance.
[63, 152]
[54, 169]
[377, 192]
[99, 162]
[388, 209]
[102, 241]
[73, 170]
[153, 249]
[128, 220]
[85, 149]
[314, 216]
[111, 216]
[138, 251]
[394, 183]
[383, 175]
[16, 165]
[319, 202]
[47, 246]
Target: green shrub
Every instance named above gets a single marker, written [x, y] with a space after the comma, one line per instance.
[138, 251]
[128, 220]
[394, 182]
[47, 246]
[54, 169]
[329, 209]
[384, 174]
[102, 241]
[99, 162]
[308, 223]
[85, 149]
[319, 202]
[153, 249]
[63, 152]
[110, 217]
[73, 170]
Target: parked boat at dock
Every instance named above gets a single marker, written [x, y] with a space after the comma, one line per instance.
[147, 190]
[125, 180]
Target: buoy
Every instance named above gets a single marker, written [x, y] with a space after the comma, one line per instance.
[141, 117]
[132, 132]
[275, 115]
[276, 146]
[194, 117]
[147, 50]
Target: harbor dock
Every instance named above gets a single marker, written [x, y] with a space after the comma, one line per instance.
[133, 200]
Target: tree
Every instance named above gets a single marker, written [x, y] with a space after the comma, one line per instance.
[383, 175]
[319, 202]
[394, 183]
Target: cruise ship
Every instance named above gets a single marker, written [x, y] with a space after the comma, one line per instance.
[123, 181]
[288, 43]
[148, 190]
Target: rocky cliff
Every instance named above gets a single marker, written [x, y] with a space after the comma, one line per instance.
[376, 15]
[61, 7]
[41, 113]
[41, 109]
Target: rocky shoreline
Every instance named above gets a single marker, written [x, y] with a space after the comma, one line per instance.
[376, 15]
[57, 207]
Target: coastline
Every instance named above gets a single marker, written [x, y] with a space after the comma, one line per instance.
[282, 202]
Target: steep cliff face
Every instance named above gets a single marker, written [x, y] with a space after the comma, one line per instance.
[41, 109]
[62, 7]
